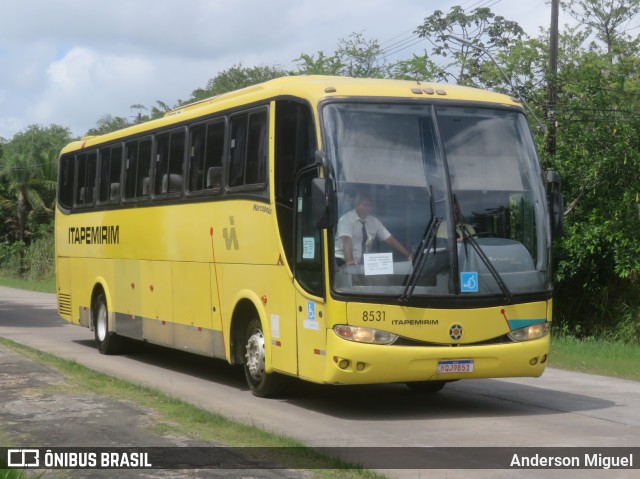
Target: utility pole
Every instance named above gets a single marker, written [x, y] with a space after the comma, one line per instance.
[552, 78]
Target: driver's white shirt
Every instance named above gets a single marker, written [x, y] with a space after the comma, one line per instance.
[350, 225]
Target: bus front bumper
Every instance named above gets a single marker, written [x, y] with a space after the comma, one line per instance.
[357, 363]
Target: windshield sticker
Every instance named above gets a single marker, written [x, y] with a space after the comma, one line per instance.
[308, 248]
[469, 282]
[378, 263]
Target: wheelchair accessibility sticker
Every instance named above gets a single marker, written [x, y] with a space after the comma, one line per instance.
[469, 282]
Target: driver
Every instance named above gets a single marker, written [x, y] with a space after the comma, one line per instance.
[356, 231]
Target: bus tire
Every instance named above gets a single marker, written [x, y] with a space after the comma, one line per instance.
[430, 387]
[261, 383]
[107, 341]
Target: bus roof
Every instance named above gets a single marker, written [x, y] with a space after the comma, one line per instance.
[312, 88]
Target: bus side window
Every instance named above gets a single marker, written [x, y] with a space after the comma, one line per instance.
[169, 160]
[248, 150]
[197, 141]
[85, 190]
[237, 149]
[206, 149]
[137, 169]
[65, 185]
[162, 161]
[109, 175]
[130, 168]
[294, 149]
[213, 159]
[115, 173]
[308, 255]
[143, 187]
[104, 183]
[82, 172]
[256, 172]
[172, 182]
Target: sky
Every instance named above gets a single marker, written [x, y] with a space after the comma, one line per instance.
[71, 62]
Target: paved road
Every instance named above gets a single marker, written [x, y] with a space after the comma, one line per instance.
[559, 409]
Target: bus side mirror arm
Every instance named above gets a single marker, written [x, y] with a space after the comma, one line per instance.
[556, 203]
[323, 194]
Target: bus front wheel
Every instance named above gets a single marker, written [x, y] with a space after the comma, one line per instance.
[261, 383]
[107, 341]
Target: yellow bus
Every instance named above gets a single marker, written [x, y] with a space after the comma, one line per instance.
[337, 230]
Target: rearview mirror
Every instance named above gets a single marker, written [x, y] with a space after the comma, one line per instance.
[322, 203]
[556, 203]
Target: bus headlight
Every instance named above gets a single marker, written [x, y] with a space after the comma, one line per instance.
[535, 331]
[364, 335]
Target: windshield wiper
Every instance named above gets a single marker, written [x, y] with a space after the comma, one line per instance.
[427, 244]
[467, 237]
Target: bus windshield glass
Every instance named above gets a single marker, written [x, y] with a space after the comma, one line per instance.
[436, 201]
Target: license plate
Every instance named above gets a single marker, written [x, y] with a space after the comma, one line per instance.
[461, 366]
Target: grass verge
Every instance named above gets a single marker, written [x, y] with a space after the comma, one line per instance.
[11, 473]
[39, 286]
[189, 421]
[596, 356]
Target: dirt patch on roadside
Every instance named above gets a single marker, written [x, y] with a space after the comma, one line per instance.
[41, 407]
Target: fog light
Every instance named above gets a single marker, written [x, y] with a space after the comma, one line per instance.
[360, 366]
[343, 364]
[544, 359]
[533, 361]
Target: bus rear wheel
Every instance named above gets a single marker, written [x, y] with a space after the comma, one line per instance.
[106, 341]
[261, 383]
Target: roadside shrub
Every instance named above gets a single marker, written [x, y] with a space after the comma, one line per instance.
[39, 259]
[11, 258]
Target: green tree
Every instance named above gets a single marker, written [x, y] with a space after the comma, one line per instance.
[361, 57]
[485, 31]
[597, 155]
[107, 124]
[29, 170]
[156, 111]
[417, 68]
[320, 65]
[235, 78]
[598, 139]
[355, 56]
[610, 20]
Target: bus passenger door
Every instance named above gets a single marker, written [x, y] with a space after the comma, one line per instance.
[308, 260]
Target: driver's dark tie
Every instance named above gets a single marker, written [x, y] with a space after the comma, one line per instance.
[364, 238]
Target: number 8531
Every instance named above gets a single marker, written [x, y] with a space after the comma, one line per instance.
[374, 315]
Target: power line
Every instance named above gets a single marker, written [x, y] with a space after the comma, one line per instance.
[403, 42]
[399, 43]
[479, 4]
[396, 36]
[408, 43]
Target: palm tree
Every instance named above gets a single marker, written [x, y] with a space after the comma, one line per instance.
[24, 177]
[28, 170]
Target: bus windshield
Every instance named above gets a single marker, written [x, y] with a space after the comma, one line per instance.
[436, 201]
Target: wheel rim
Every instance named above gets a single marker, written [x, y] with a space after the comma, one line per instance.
[255, 355]
[101, 322]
